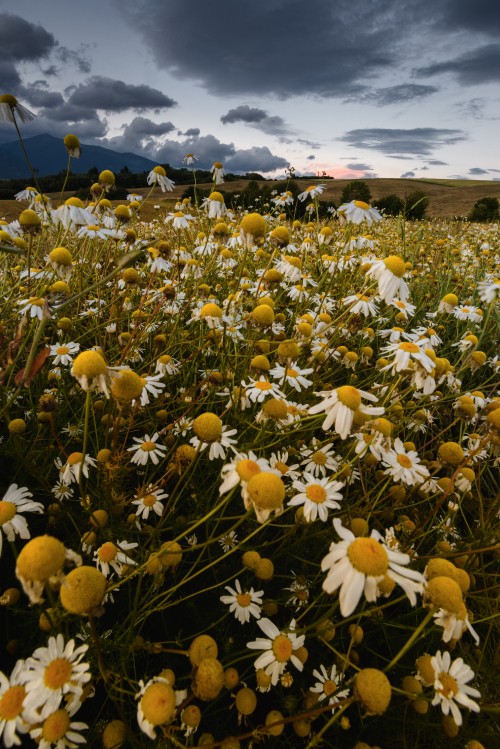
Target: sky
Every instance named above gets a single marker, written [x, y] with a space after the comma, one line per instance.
[351, 88]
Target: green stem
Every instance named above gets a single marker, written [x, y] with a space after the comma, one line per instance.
[412, 639]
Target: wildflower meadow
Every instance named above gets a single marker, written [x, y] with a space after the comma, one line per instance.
[249, 472]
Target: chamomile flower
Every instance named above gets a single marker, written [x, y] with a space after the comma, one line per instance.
[156, 705]
[292, 375]
[327, 686]
[32, 307]
[313, 191]
[489, 290]
[451, 685]
[218, 171]
[12, 710]
[360, 304]
[319, 459]
[404, 353]
[149, 500]
[404, 465]
[228, 541]
[112, 556]
[316, 496]
[71, 471]
[153, 386]
[58, 730]
[455, 625]
[281, 462]
[278, 649]
[389, 274]
[358, 211]
[15, 501]
[341, 405]
[243, 603]
[405, 308]
[217, 447]
[258, 390]
[53, 673]
[158, 176]
[359, 565]
[147, 449]
[63, 354]
[240, 470]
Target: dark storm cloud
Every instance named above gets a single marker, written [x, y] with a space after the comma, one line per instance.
[38, 95]
[110, 95]
[208, 148]
[359, 167]
[139, 135]
[401, 94]
[311, 157]
[191, 132]
[257, 118]
[407, 175]
[270, 46]
[481, 65]
[436, 162]
[244, 113]
[9, 76]
[21, 40]
[480, 15]
[398, 142]
[477, 170]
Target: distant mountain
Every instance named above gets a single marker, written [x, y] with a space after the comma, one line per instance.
[48, 155]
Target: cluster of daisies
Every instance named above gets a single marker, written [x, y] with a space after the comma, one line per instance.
[202, 403]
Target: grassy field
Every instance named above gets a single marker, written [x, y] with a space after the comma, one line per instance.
[447, 198]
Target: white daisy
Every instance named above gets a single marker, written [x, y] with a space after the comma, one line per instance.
[319, 459]
[279, 461]
[243, 604]
[52, 673]
[405, 353]
[358, 565]
[292, 375]
[57, 730]
[16, 500]
[153, 386]
[450, 685]
[360, 304]
[311, 192]
[147, 449]
[341, 405]
[12, 698]
[327, 686]
[158, 176]
[149, 500]
[218, 447]
[389, 275]
[258, 390]
[404, 465]
[358, 211]
[317, 496]
[278, 649]
[113, 556]
[454, 625]
[63, 353]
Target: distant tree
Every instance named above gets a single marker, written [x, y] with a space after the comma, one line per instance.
[93, 171]
[253, 175]
[356, 190]
[415, 205]
[392, 204]
[485, 209]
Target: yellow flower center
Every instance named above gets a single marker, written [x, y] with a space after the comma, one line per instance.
[449, 686]
[246, 469]
[396, 265]
[61, 350]
[291, 372]
[282, 648]
[409, 347]
[7, 511]
[263, 385]
[368, 556]
[158, 703]
[329, 687]
[11, 702]
[74, 459]
[55, 726]
[244, 599]
[404, 461]
[149, 500]
[362, 204]
[316, 493]
[148, 446]
[319, 458]
[208, 427]
[349, 396]
[281, 467]
[57, 673]
[107, 552]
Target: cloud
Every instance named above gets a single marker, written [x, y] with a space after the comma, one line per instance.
[401, 94]
[476, 108]
[481, 65]
[421, 141]
[328, 43]
[407, 175]
[191, 132]
[23, 41]
[359, 167]
[257, 118]
[477, 170]
[437, 162]
[311, 157]
[37, 95]
[140, 136]
[79, 59]
[481, 15]
[9, 76]
[110, 95]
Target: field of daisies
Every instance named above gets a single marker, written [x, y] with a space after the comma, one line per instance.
[249, 474]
